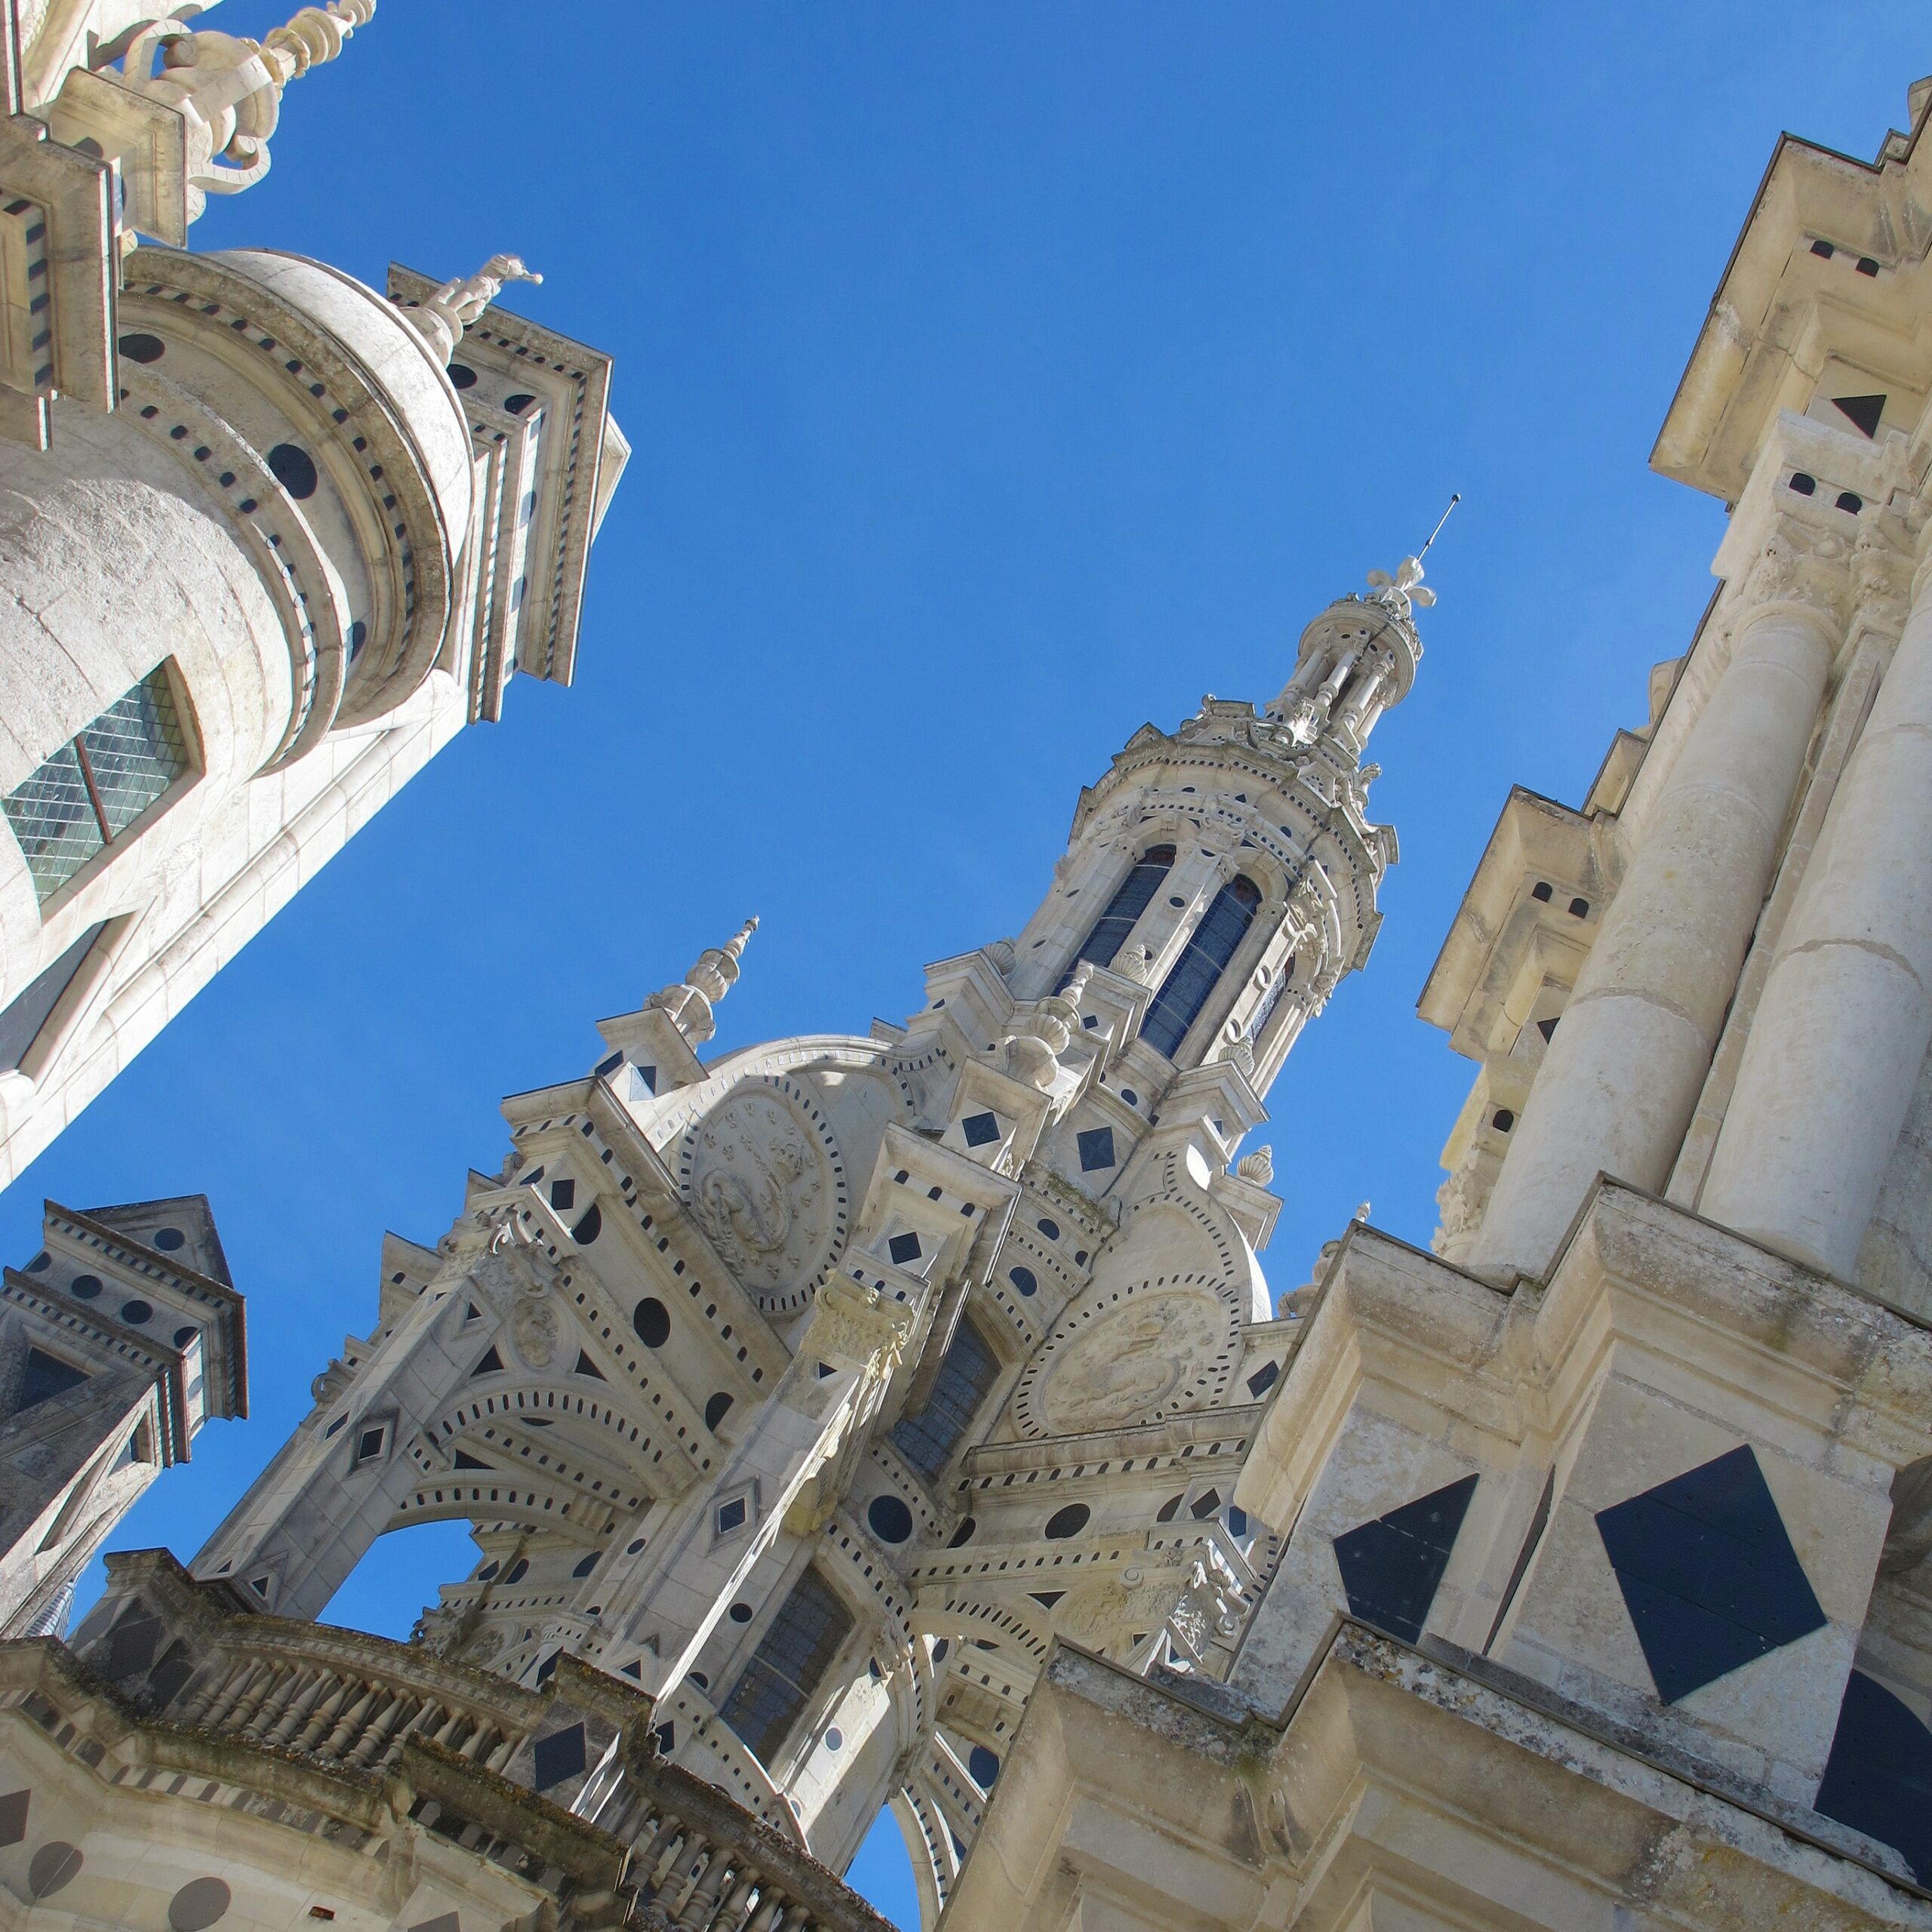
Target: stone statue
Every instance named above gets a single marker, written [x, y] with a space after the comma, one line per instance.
[457, 306]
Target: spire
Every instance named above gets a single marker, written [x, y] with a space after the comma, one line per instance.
[1356, 660]
[457, 306]
[689, 1004]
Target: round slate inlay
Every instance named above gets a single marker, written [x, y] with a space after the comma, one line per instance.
[294, 468]
[170, 1239]
[891, 1521]
[86, 1286]
[197, 1905]
[54, 1865]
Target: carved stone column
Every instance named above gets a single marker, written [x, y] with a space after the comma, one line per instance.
[1618, 1085]
[1842, 1028]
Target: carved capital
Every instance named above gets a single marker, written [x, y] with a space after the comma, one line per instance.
[1798, 567]
[1881, 570]
[858, 1325]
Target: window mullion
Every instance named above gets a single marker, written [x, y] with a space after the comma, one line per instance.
[93, 790]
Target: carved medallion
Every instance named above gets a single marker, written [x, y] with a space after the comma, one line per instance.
[762, 1185]
[1154, 1350]
[1123, 1607]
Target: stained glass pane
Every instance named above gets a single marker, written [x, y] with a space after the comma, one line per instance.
[137, 750]
[928, 1440]
[788, 1667]
[53, 821]
[1177, 1005]
[1135, 895]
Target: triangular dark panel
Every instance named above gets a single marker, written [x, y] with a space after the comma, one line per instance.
[1391, 1567]
[465, 1460]
[1864, 410]
[1879, 1778]
[585, 1366]
[46, 1376]
[492, 1363]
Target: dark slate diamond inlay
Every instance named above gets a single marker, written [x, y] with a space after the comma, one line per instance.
[1879, 1778]
[559, 1756]
[1708, 1573]
[136, 1639]
[903, 1248]
[979, 1128]
[1096, 1148]
[1390, 1568]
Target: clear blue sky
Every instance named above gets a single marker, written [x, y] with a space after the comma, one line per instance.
[1001, 376]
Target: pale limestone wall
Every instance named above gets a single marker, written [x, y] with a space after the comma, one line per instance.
[1895, 1259]
[248, 858]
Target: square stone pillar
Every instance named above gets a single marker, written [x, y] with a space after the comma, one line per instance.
[1658, 1487]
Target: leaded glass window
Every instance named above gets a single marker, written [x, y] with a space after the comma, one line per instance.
[97, 787]
[1124, 910]
[788, 1667]
[965, 1378]
[1211, 945]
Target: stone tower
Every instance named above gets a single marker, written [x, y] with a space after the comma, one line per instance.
[117, 1342]
[815, 1391]
[270, 538]
[904, 1420]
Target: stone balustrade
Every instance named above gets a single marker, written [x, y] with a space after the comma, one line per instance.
[563, 1784]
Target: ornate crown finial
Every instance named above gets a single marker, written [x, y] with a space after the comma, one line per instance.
[457, 306]
[1399, 592]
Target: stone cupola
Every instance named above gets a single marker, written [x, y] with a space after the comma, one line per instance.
[1221, 878]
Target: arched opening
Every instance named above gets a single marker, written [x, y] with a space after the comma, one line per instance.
[1136, 893]
[383, 1593]
[1196, 973]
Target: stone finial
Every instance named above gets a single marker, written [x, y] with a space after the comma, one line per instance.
[1362, 1213]
[689, 1005]
[716, 972]
[457, 305]
[1258, 1167]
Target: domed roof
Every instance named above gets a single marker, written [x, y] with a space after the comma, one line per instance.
[398, 363]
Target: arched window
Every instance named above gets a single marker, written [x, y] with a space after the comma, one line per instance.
[99, 786]
[1124, 910]
[1184, 992]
